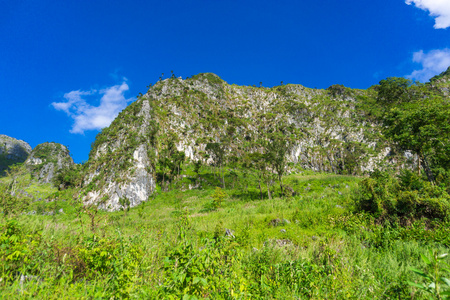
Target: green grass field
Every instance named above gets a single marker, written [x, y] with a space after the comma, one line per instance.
[310, 245]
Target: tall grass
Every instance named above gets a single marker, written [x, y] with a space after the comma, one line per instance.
[310, 245]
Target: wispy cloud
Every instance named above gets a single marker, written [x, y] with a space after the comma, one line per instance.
[439, 9]
[433, 63]
[89, 117]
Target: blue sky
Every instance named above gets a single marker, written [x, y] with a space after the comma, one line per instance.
[68, 67]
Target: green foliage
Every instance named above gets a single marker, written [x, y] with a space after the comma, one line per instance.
[323, 252]
[434, 279]
[170, 162]
[395, 90]
[202, 272]
[12, 198]
[69, 177]
[333, 237]
[217, 199]
[407, 196]
[444, 74]
[17, 250]
[210, 77]
[423, 127]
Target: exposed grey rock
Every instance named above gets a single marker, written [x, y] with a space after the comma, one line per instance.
[283, 242]
[137, 186]
[12, 151]
[229, 233]
[274, 222]
[123, 159]
[47, 159]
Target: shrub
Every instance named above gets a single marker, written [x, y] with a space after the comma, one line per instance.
[17, 250]
[405, 196]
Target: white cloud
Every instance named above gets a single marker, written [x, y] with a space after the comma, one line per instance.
[89, 117]
[440, 9]
[433, 63]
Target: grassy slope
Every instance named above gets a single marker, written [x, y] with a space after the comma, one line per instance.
[352, 257]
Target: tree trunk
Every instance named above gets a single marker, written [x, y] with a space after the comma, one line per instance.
[260, 190]
[268, 190]
[281, 186]
[419, 163]
[427, 169]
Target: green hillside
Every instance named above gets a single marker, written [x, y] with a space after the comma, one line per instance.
[204, 190]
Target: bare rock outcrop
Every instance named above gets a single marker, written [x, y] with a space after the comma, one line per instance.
[47, 159]
[12, 151]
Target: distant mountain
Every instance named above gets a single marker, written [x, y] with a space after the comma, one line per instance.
[43, 162]
[12, 151]
[47, 159]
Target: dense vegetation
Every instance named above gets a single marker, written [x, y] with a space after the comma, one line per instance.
[249, 224]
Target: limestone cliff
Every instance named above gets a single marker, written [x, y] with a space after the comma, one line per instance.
[46, 160]
[338, 133]
[12, 151]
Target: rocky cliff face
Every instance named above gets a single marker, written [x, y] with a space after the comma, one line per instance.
[441, 82]
[47, 159]
[12, 151]
[338, 133]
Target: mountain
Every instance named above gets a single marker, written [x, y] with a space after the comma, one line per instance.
[47, 159]
[12, 151]
[43, 162]
[441, 82]
[336, 131]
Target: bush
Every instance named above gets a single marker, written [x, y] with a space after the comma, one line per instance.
[405, 196]
[17, 250]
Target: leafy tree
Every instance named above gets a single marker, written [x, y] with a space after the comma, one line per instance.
[170, 161]
[424, 128]
[217, 153]
[280, 142]
[125, 203]
[69, 177]
[395, 90]
[258, 163]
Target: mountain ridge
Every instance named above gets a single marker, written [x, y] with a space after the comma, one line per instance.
[204, 109]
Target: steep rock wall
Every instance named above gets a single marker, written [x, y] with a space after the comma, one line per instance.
[12, 151]
[47, 159]
[337, 134]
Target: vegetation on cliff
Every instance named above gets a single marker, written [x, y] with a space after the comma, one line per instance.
[237, 204]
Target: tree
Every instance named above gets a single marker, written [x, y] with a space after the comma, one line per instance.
[280, 141]
[258, 162]
[423, 127]
[170, 161]
[394, 90]
[69, 177]
[217, 153]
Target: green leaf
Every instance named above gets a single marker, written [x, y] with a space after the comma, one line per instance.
[418, 272]
[420, 286]
[425, 259]
[445, 280]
